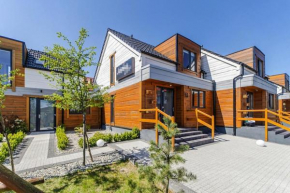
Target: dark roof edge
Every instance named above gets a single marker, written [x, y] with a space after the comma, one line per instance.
[166, 39]
[246, 49]
[231, 60]
[189, 39]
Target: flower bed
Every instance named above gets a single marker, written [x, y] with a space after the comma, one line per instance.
[108, 137]
[62, 139]
[14, 140]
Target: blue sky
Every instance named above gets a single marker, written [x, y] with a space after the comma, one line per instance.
[223, 26]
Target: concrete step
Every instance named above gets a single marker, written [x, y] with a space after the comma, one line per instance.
[187, 129]
[190, 138]
[286, 134]
[197, 142]
[188, 133]
[277, 131]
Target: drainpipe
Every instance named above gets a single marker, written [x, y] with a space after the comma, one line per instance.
[214, 100]
[234, 100]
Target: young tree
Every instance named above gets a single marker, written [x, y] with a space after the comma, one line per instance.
[161, 171]
[5, 80]
[67, 72]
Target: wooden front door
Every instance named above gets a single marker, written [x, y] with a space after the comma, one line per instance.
[165, 100]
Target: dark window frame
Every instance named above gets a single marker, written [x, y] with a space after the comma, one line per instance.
[112, 70]
[189, 57]
[287, 83]
[258, 67]
[271, 101]
[198, 98]
[74, 112]
[11, 58]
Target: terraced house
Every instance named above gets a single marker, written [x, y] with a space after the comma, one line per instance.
[177, 77]
[25, 97]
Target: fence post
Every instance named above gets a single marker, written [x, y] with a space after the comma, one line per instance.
[173, 138]
[156, 128]
[212, 127]
[196, 114]
[266, 124]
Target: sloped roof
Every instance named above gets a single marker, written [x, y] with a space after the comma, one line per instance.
[32, 57]
[140, 46]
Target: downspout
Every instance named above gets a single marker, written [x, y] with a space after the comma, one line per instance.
[214, 100]
[234, 100]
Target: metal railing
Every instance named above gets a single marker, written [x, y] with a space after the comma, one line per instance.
[157, 121]
[210, 126]
[266, 119]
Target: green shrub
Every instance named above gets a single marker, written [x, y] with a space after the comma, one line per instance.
[117, 137]
[128, 135]
[14, 124]
[79, 129]
[62, 139]
[14, 140]
[1, 137]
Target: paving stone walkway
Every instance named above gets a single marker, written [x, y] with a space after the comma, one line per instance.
[36, 155]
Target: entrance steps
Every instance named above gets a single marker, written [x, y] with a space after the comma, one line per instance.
[279, 131]
[192, 137]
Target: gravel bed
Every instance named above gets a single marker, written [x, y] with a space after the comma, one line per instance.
[74, 137]
[70, 168]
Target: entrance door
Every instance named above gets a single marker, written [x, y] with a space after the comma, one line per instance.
[42, 115]
[165, 100]
[250, 103]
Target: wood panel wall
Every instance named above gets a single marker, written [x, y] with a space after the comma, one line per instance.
[73, 120]
[127, 105]
[17, 47]
[245, 56]
[168, 48]
[15, 105]
[278, 79]
[284, 105]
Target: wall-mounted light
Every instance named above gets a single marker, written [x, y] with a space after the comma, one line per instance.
[245, 96]
[186, 94]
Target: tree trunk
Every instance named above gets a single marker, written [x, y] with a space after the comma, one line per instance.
[14, 182]
[167, 186]
[84, 138]
[8, 143]
[89, 149]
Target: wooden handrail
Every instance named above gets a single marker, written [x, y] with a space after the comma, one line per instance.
[210, 126]
[267, 120]
[156, 121]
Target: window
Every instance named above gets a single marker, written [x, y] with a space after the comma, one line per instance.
[198, 99]
[189, 60]
[112, 70]
[76, 112]
[271, 101]
[260, 67]
[287, 86]
[5, 61]
[112, 109]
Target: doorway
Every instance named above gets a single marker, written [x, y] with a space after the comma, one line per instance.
[41, 115]
[250, 103]
[165, 100]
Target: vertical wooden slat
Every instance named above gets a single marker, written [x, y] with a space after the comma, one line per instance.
[27, 112]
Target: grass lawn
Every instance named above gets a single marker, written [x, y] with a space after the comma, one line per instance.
[121, 177]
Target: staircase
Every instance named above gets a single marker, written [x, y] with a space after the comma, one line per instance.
[276, 134]
[192, 137]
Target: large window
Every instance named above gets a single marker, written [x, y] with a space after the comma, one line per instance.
[198, 99]
[260, 67]
[5, 62]
[76, 112]
[112, 70]
[189, 60]
[271, 101]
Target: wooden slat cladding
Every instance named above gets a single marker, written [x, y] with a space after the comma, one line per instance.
[184, 43]
[73, 120]
[284, 105]
[224, 107]
[278, 79]
[127, 105]
[17, 47]
[15, 105]
[245, 56]
[189, 112]
[168, 48]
